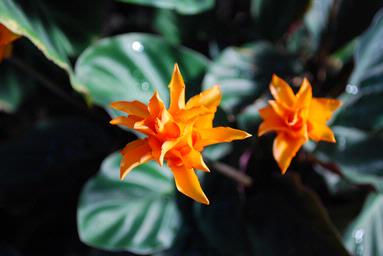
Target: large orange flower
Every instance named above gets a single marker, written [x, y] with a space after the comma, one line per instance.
[177, 135]
[296, 119]
[6, 39]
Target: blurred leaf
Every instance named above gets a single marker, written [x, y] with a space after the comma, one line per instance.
[222, 223]
[368, 71]
[356, 152]
[182, 6]
[364, 236]
[244, 73]
[274, 18]
[58, 30]
[288, 219]
[132, 66]
[13, 88]
[138, 214]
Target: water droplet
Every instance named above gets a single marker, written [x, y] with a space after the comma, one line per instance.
[352, 89]
[145, 86]
[137, 46]
[358, 239]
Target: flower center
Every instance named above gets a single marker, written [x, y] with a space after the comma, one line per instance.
[294, 120]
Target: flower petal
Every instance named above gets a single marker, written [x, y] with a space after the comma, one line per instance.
[188, 184]
[135, 153]
[209, 99]
[219, 135]
[318, 132]
[128, 121]
[271, 121]
[194, 159]
[284, 149]
[135, 107]
[321, 109]
[281, 91]
[156, 106]
[177, 91]
[304, 95]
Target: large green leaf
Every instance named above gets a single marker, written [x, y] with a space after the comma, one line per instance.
[132, 66]
[244, 73]
[138, 214]
[58, 30]
[364, 235]
[181, 6]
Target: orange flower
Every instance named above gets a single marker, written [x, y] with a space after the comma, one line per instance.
[177, 135]
[6, 39]
[296, 119]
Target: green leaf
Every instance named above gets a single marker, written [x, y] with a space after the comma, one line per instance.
[56, 29]
[181, 6]
[132, 66]
[273, 18]
[357, 154]
[138, 214]
[364, 235]
[368, 71]
[244, 73]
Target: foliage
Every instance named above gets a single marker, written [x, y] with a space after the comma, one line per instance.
[75, 58]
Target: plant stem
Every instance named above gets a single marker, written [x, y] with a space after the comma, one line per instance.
[232, 173]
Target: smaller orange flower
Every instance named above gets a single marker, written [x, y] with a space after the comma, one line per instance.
[6, 39]
[176, 135]
[295, 119]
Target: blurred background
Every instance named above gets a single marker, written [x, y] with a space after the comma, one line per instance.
[59, 162]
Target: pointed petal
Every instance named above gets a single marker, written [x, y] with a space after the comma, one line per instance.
[304, 94]
[318, 132]
[194, 159]
[135, 153]
[135, 107]
[219, 135]
[321, 109]
[281, 91]
[285, 148]
[128, 121]
[187, 183]
[177, 91]
[209, 98]
[156, 105]
[204, 121]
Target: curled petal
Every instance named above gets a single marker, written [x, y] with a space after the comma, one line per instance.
[272, 121]
[177, 91]
[136, 108]
[135, 153]
[188, 184]
[285, 148]
[209, 99]
[281, 91]
[219, 135]
[194, 159]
